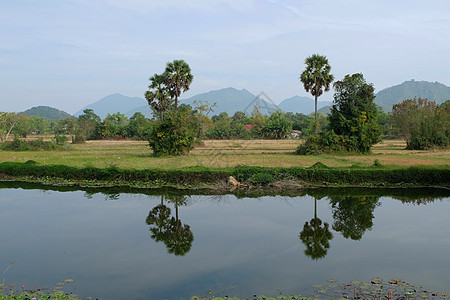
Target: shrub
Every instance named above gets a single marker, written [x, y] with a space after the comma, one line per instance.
[262, 178]
[174, 136]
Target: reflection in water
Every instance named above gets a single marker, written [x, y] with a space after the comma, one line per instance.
[177, 236]
[315, 237]
[353, 215]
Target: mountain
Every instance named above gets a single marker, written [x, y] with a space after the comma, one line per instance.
[433, 91]
[229, 100]
[114, 103]
[47, 112]
[302, 105]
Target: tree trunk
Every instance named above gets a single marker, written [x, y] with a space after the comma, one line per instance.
[315, 114]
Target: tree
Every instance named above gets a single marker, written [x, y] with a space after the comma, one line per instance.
[353, 115]
[316, 78]
[277, 126]
[422, 123]
[174, 133]
[139, 127]
[158, 96]
[7, 123]
[177, 78]
[88, 123]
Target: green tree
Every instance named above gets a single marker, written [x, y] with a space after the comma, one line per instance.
[277, 126]
[139, 127]
[422, 123]
[7, 123]
[174, 133]
[87, 127]
[316, 78]
[353, 115]
[158, 96]
[177, 78]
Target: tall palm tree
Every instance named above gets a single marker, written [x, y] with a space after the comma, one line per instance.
[158, 96]
[316, 78]
[178, 78]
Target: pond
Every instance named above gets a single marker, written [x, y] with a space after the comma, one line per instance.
[133, 245]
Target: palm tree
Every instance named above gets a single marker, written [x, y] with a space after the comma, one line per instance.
[315, 237]
[158, 96]
[316, 78]
[177, 77]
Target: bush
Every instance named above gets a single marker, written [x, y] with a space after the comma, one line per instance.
[171, 137]
[262, 178]
[32, 145]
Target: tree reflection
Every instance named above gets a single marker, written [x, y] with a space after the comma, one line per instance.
[315, 236]
[177, 236]
[353, 215]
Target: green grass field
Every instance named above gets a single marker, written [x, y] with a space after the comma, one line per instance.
[227, 153]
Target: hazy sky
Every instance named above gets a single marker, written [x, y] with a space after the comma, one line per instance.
[70, 53]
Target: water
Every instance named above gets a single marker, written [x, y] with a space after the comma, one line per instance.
[232, 246]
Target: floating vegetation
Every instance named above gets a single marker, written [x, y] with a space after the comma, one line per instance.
[377, 288]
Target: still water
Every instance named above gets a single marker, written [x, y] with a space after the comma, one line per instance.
[139, 246]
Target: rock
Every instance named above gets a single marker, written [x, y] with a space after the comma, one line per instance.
[376, 280]
[232, 181]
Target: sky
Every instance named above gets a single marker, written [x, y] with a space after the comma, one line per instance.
[70, 53]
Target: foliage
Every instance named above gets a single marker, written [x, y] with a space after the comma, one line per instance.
[352, 123]
[316, 78]
[354, 114]
[174, 136]
[422, 123]
[158, 96]
[177, 78]
[7, 123]
[59, 142]
[262, 178]
[277, 126]
[139, 127]
[86, 127]
[114, 126]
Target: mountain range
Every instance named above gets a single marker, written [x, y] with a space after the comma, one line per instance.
[230, 100]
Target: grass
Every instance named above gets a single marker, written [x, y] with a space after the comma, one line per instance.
[225, 153]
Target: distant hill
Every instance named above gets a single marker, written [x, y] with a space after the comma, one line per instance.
[48, 113]
[229, 100]
[433, 91]
[114, 103]
[302, 105]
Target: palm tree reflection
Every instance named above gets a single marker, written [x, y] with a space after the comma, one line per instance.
[315, 236]
[177, 236]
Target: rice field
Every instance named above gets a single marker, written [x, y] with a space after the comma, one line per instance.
[225, 153]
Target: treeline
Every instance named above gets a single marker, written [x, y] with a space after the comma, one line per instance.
[421, 122]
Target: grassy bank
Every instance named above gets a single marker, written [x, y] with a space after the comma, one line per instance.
[268, 164]
[248, 177]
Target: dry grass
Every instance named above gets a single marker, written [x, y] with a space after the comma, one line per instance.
[227, 153]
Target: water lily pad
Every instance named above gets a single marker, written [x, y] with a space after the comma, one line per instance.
[69, 280]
